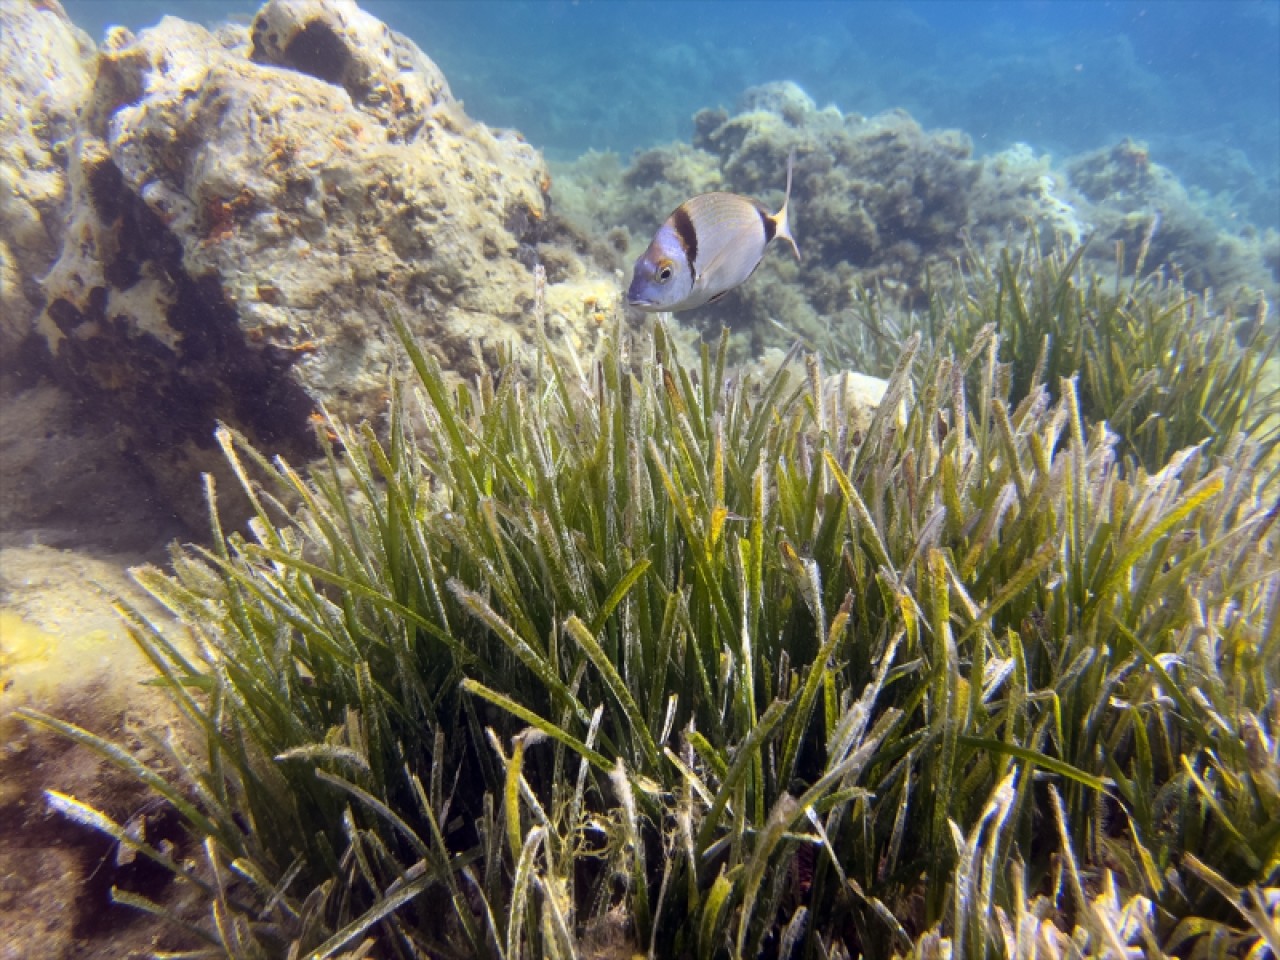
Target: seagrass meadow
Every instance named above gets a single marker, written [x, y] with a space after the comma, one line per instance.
[653, 656]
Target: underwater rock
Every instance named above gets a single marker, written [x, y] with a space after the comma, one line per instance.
[384, 74]
[1018, 187]
[785, 98]
[855, 396]
[243, 201]
[43, 79]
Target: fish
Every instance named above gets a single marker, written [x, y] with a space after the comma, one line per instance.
[709, 245]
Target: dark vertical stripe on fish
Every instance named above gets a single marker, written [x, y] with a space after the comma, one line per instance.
[770, 224]
[688, 236]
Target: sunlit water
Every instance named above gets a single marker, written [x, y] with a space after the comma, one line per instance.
[1199, 81]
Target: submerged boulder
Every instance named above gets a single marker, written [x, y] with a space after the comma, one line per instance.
[44, 75]
[242, 201]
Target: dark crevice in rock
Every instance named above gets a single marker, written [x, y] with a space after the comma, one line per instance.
[107, 192]
[255, 390]
[138, 233]
[168, 400]
[26, 364]
[67, 317]
[319, 52]
[166, 394]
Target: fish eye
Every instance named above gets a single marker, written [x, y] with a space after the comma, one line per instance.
[664, 271]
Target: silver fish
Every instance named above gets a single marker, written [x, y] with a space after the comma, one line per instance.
[708, 246]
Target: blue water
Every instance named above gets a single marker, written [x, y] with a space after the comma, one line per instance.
[1198, 80]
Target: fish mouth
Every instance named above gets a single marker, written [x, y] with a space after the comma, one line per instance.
[640, 302]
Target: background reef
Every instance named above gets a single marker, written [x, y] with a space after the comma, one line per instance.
[885, 209]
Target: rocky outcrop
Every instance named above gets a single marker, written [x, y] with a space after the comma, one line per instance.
[44, 75]
[241, 203]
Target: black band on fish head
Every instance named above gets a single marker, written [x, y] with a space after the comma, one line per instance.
[687, 235]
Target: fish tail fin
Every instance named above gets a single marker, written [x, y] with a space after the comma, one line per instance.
[781, 225]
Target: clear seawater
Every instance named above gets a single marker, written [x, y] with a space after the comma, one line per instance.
[1198, 80]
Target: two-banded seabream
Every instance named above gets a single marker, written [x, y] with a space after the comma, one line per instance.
[709, 245]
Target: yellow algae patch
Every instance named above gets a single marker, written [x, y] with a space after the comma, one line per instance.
[22, 646]
[69, 675]
[37, 667]
[65, 651]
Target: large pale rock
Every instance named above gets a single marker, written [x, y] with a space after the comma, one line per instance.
[1143, 206]
[44, 61]
[243, 200]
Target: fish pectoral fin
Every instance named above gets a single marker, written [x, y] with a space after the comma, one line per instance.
[719, 296]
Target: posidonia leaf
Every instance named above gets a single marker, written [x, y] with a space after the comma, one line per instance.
[597, 760]
[535, 660]
[746, 754]
[712, 910]
[1035, 756]
[1203, 493]
[639, 729]
[384, 908]
[618, 594]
